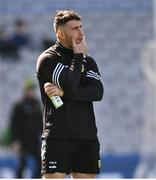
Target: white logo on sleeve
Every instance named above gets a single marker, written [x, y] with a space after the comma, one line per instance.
[52, 164]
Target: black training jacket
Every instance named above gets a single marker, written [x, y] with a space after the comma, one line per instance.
[26, 124]
[78, 76]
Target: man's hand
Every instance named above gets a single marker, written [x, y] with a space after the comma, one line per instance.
[52, 90]
[81, 47]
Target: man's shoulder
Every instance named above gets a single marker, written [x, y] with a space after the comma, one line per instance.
[49, 53]
[18, 104]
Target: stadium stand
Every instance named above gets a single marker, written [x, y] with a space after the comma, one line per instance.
[116, 33]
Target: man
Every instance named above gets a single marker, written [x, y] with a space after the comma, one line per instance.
[20, 37]
[70, 143]
[26, 128]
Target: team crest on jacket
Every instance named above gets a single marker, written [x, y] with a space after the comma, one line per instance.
[82, 68]
[72, 66]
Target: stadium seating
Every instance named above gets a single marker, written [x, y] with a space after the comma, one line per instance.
[116, 32]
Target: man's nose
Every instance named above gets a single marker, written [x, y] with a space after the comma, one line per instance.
[81, 32]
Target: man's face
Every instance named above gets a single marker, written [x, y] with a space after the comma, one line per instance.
[73, 30]
[30, 93]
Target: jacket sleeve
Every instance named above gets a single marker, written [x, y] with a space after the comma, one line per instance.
[93, 90]
[65, 77]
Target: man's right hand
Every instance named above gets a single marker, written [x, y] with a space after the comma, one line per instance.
[81, 47]
[52, 90]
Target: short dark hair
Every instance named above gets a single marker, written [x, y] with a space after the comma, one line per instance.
[63, 16]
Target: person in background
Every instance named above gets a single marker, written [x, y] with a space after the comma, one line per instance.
[20, 38]
[26, 129]
[7, 48]
[47, 42]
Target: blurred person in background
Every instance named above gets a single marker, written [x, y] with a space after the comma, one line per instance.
[26, 129]
[7, 48]
[47, 42]
[20, 37]
[70, 143]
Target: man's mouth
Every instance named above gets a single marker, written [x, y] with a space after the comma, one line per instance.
[79, 40]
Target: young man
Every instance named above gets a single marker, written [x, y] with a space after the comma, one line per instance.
[70, 143]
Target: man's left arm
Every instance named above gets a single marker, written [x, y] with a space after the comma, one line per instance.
[93, 91]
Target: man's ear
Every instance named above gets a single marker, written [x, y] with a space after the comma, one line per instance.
[60, 33]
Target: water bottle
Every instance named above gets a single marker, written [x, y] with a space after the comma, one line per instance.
[57, 101]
